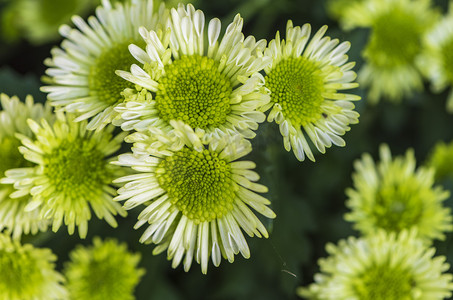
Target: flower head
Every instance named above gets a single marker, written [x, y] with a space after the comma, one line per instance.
[441, 159]
[70, 173]
[198, 197]
[437, 57]
[106, 270]
[82, 74]
[28, 272]
[214, 85]
[397, 29]
[382, 266]
[393, 196]
[303, 80]
[13, 120]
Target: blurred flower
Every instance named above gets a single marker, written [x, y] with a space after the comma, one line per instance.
[303, 81]
[28, 272]
[70, 173]
[82, 74]
[216, 90]
[437, 59]
[38, 20]
[384, 265]
[393, 196]
[198, 197]
[441, 159]
[338, 8]
[13, 120]
[106, 270]
[397, 29]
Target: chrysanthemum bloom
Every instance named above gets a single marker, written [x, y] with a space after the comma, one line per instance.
[39, 19]
[441, 159]
[213, 85]
[70, 173]
[13, 120]
[303, 80]
[397, 28]
[106, 270]
[393, 196]
[437, 59]
[82, 73]
[382, 266]
[198, 198]
[28, 272]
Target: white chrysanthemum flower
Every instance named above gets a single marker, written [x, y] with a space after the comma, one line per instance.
[213, 85]
[303, 79]
[383, 266]
[437, 59]
[13, 120]
[393, 195]
[82, 74]
[199, 198]
[71, 172]
[397, 28]
[28, 273]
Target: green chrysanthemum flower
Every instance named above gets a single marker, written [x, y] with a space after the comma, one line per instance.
[40, 19]
[13, 120]
[382, 266]
[441, 159]
[397, 29]
[197, 197]
[393, 196]
[303, 80]
[107, 270]
[214, 85]
[28, 272]
[70, 173]
[437, 57]
[82, 73]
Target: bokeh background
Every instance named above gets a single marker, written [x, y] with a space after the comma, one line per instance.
[307, 197]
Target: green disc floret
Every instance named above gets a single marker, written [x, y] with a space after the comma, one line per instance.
[77, 168]
[199, 183]
[297, 85]
[384, 282]
[195, 91]
[399, 206]
[102, 80]
[395, 39]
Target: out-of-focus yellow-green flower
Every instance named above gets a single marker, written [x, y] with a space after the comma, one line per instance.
[437, 59]
[105, 270]
[393, 196]
[441, 159]
[13, 120]
[70, 173]
[382, 266]
[28, 272]
[338, 8]
[395, 41]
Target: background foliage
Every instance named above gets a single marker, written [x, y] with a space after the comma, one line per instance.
[307, 197]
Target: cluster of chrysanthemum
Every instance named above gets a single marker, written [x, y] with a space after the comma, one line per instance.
[399, 212]
[408, 41]
[192, 100]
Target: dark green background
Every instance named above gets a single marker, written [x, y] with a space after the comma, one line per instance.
[307, 197]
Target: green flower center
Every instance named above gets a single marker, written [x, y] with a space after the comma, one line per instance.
[77, 168]
[199, 184]
[297, 85]
[384, 282]
[395, 39]
[102, 80]
[21, 275]
[194, 91]
[447, 58]
[399, 205]
[10, 156]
